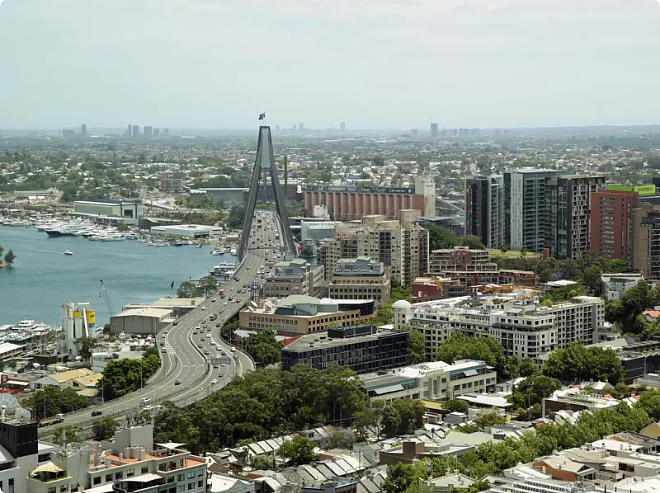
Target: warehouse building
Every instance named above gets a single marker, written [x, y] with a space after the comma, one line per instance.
[108, 211]
[144, 321]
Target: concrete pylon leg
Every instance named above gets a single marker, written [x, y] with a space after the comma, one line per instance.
[265, 164]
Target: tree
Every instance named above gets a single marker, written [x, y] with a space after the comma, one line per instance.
[51, 401]
[86, 346]
[401, 477]
[186, 290]
[649, 401]
[523, 251]
[66, 434]
[581, 363]
[457, 347]
[417, 345]
[368, 421]
[528, 368]
[456, 406]
[402, 417]
[489, 419]
[533, 390]
[264, 347]
[592, 279]
[123, 376]
[104, 428]
[236, 216]
[299, 450]
[9, 257]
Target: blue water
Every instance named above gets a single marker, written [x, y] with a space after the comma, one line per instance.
[42, 279]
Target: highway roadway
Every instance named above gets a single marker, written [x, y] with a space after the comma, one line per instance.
[186, 373]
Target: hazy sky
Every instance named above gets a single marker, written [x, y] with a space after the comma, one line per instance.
[371, 63]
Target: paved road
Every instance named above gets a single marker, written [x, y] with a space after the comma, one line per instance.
[186, 372]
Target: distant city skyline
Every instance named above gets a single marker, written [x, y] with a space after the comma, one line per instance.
[380, 65]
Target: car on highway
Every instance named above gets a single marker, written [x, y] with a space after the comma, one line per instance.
[176, 322]
[164, 349]
[214, 300]
[178, 382]
[207, 352]
[214, 381]
[144, 400]
[203, 308]
[195, 332]
[96, 413]
[201, 389]
[226, 303]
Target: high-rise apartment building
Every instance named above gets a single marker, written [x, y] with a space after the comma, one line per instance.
[526, 209]
[342, 127]
[129, 131]
[166, 133]
[612, 223]
[148, 131]
[156, 132]
[569, 212]
[434, 129]
[136, 131]
[646, 240]
[484, 209]
[400, 245]
[83, 130]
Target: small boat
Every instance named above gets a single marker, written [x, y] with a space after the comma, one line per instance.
[67, 252]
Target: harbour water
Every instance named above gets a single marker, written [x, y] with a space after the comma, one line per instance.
[42, 278]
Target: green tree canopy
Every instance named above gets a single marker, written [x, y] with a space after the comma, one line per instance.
[51, 401]
[264, 347]
[299, 450]
[104, 428]
[533, 390]
[582, 363]
[457, 347]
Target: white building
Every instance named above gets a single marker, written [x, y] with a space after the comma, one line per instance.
[517, 321]
[436, 380]
[131, 462]
[189, 231]
[109, 211]
[614, 285]
[77, 320]
[317, 230]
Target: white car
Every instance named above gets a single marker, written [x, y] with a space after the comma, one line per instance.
[214, 381]
[203, 308]
[144, 400]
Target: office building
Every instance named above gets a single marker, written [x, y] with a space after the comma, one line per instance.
[156, 133]
[129, 131]
[293, 277]
[166, 133]
[360, 279]
[484, 209]
[21, 453]
[317, 230]
[148, 131]
[342, 127]
[612, 223]
[132, 462]
[68, 134]
[646, 240]
[434, 129]
[400, 245]
[435, 381]
[569, 212]
[83, 130]
[516, 320]
[351, 202]
[298, 314]
[526, 208]
[363, 348]
[135, 131]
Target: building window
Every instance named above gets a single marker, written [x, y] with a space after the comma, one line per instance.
[108, 478]
[119, 475]
[200, 472]
[200, 483]
[191, 486]
[97, 480]
[144, 470]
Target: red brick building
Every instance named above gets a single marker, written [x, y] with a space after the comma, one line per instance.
[612, 223]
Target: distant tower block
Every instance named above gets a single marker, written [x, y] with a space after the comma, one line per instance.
[265, 166]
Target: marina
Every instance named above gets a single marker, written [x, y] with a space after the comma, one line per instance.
[44, 277]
